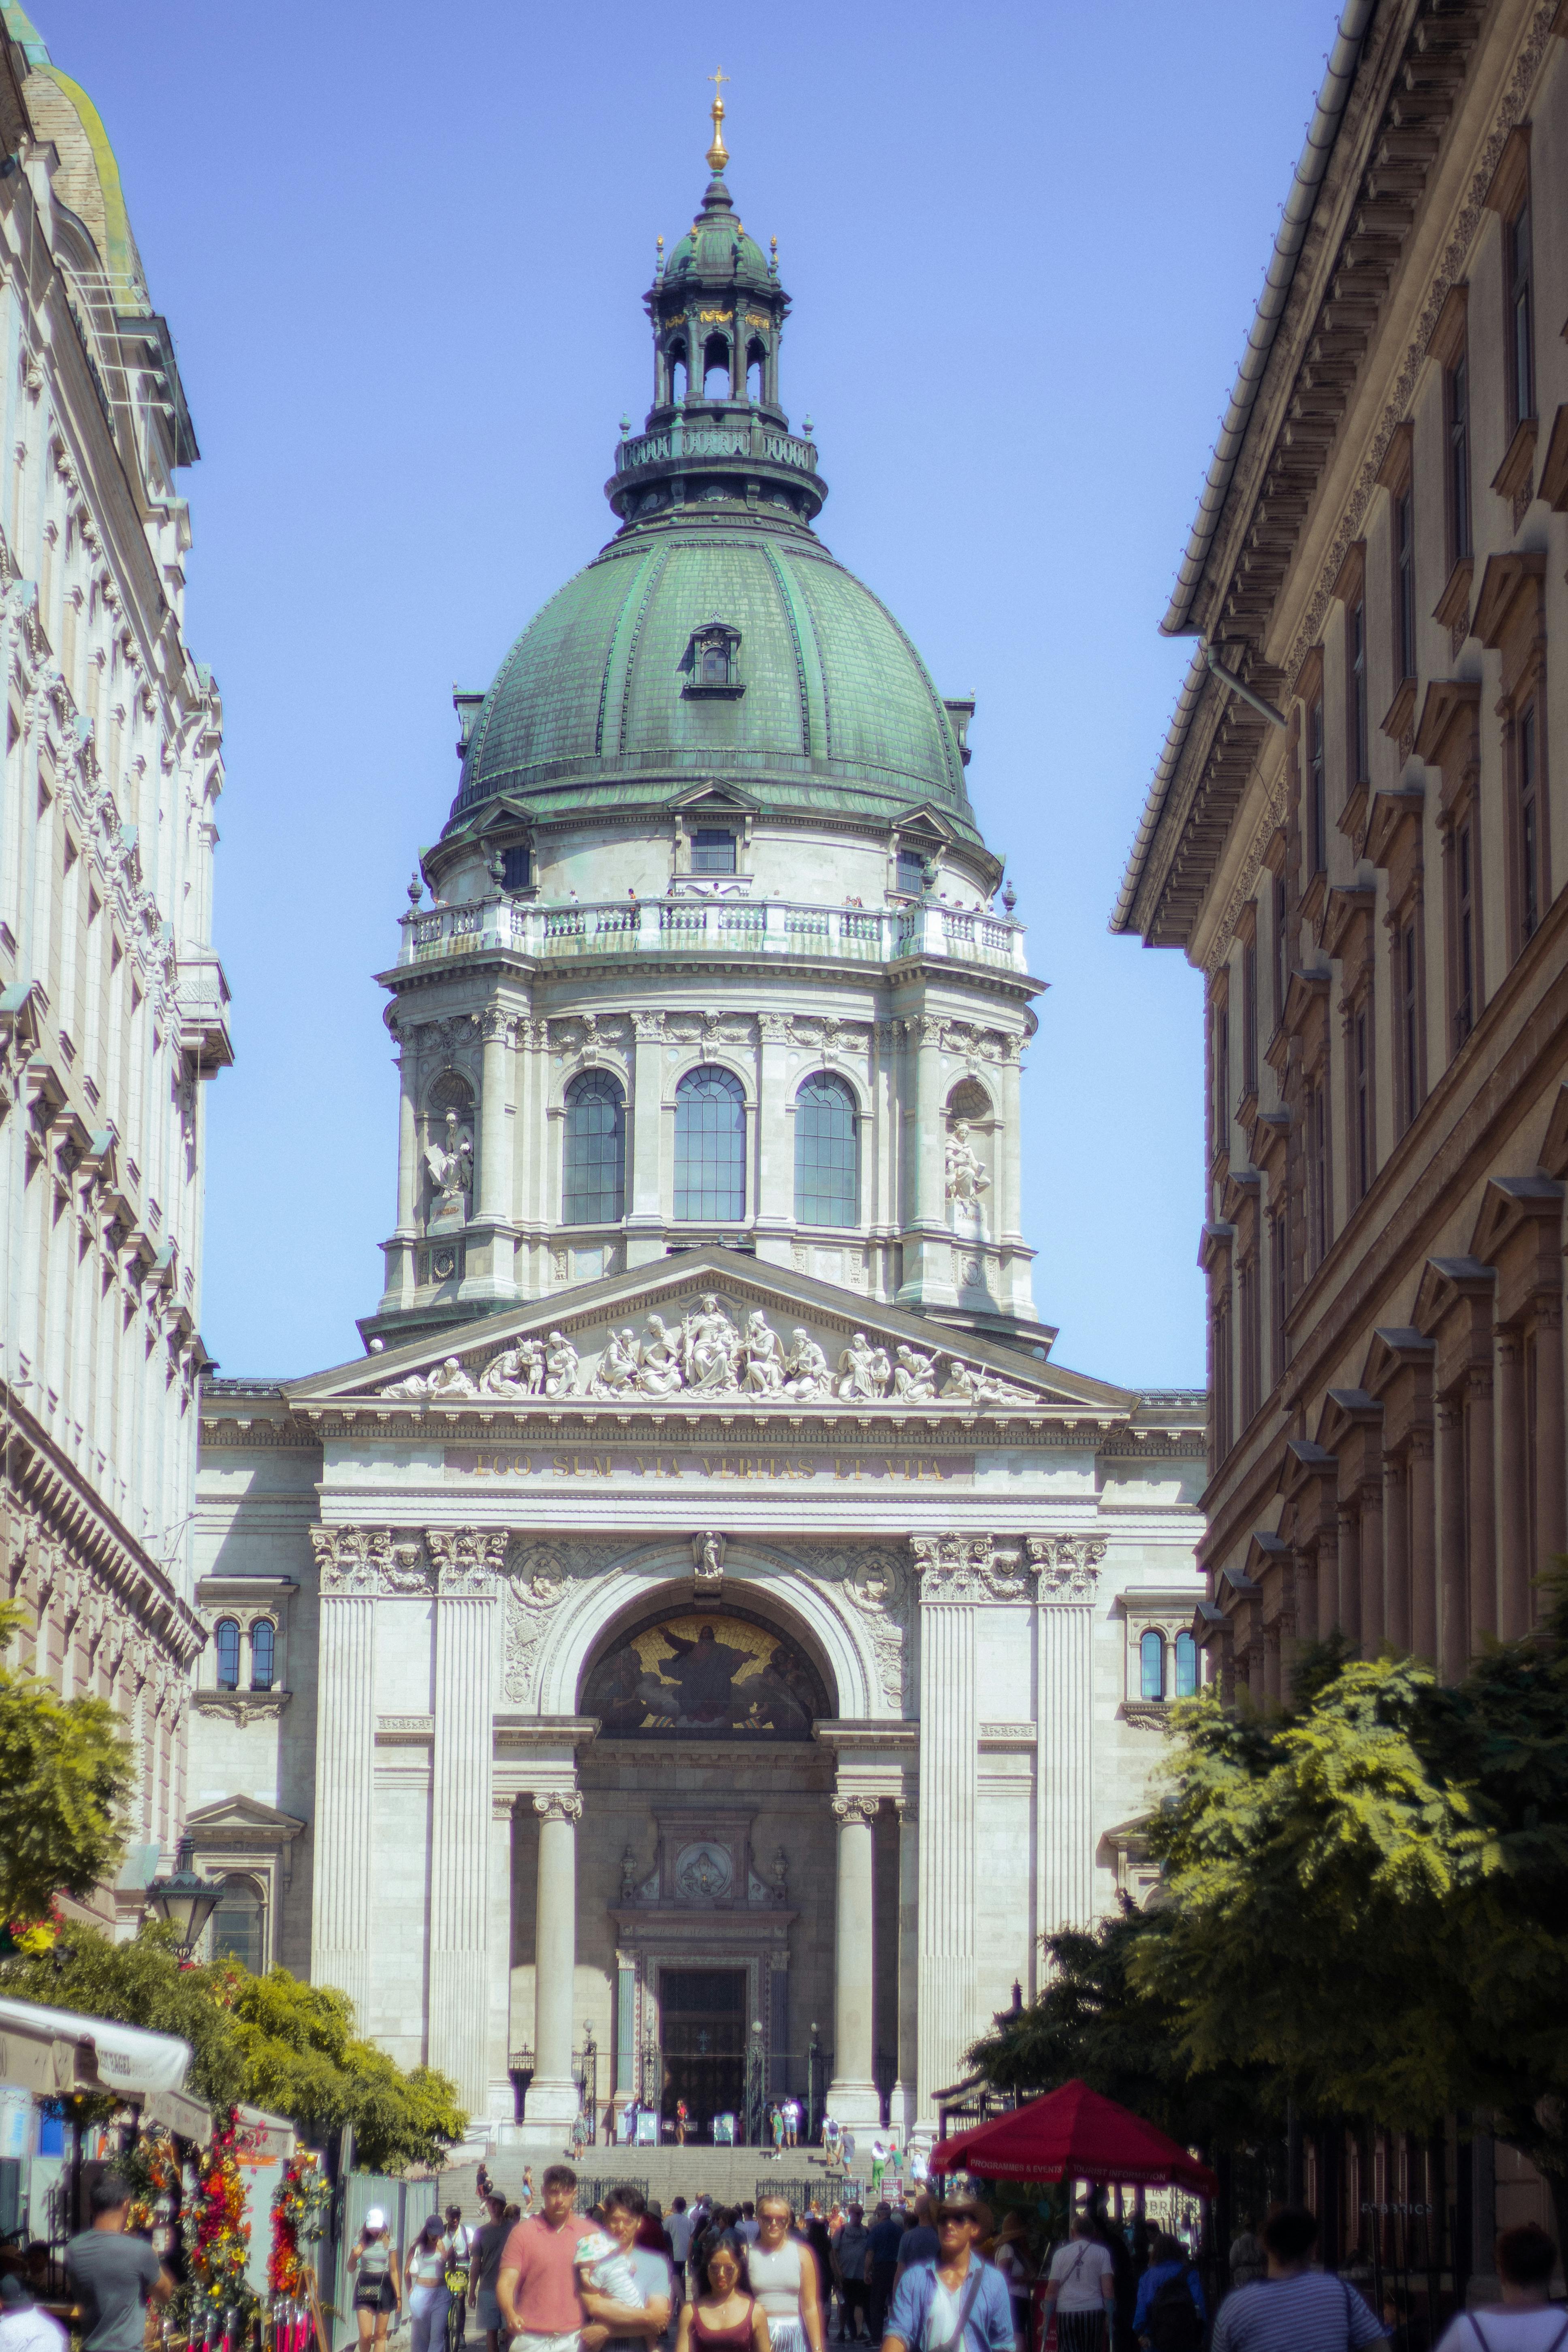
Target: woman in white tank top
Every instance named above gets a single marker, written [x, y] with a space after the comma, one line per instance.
[784, 2279]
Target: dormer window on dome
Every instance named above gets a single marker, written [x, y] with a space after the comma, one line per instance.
[710, 661]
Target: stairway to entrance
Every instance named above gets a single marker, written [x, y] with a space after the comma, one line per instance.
[730, 2175]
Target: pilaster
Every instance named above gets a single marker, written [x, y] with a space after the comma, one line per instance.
[1066, 1573]
[467, 1564]
[349, 1562]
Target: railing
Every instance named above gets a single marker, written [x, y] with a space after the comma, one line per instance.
[688, 925]
[762, 442]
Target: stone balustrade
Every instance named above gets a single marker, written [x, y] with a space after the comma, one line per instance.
[689, 926]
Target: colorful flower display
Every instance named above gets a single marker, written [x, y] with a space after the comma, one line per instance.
[299, 2204]
[220, 2242]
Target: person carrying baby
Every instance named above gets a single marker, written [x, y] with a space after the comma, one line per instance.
[626, 2289]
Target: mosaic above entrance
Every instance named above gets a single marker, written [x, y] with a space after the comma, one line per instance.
[713, 1674]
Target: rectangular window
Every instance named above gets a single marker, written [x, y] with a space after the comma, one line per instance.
[1250, 1018]
[1405, 580]
[1529, 827]
[1221, 1080]
[516, 869]
[911, 871]
[1361, 1098]
[1359, 769]
[1458, 403]
[1318, 1171]
[1251, 1341]
[1280, 1229]
[1521, 317]
[712, 850]
[1407, 967]
[1281, 946]
[1222, 1387]
[1316, 811]
[1464, 933]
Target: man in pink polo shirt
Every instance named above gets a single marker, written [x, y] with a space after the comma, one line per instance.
[537, 2283]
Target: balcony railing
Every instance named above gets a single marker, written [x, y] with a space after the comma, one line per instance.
[709, 926]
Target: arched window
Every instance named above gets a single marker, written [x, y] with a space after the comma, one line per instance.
[225, 1640]
[754, 360]
[716, 369]
[1186, 1667]
[1152, 1664]
[677, 381]
[594, 1189]
[263, 1653]
[237, 1924]
[710, 1146]
[826, 1153]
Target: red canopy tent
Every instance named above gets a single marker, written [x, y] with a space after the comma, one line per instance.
[1073, 2135]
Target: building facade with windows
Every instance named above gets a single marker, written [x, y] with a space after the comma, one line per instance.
[112, 1004]
[1353, 833]
[704, 1640]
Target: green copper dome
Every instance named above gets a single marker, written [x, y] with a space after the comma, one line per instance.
[830, 707]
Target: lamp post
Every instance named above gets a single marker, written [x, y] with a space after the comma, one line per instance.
[185, 1901]
[755, 2085]
[814, 2085]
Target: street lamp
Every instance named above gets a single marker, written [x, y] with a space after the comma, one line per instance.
[185, 1901]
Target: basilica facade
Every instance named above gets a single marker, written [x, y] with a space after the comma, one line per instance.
[704, 1641]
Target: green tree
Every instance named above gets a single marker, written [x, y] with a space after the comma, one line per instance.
[1093, 2021]
[267, 2041]
[65, 1769]
[1367, 1895]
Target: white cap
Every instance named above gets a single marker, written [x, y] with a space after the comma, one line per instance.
[375, 2219]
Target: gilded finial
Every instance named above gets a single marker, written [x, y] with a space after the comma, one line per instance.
[718, 155]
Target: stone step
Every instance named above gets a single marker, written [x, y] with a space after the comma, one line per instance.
[729, 2175]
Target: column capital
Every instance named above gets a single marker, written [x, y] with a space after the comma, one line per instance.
[854, 1809]
[964, 1568]
[503, 1805]
[1067, 1566]
[468, 1561]
[559, 1805]
[354, 1562]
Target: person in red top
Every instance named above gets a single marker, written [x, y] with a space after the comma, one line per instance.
[537, 2283]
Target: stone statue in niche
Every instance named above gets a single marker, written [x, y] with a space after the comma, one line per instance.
[449, 1161]
[966, 1173]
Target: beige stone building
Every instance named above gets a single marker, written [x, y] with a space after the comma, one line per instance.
[1360, 834]
[112, 1004]
[709, 1638]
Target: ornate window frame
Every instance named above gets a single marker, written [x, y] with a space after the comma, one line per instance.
[1154, 1610]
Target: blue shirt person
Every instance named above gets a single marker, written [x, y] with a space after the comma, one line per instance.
[1169, 2262]
[931, 2297]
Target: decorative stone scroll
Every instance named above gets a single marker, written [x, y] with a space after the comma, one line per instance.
[960, 1568]
[559, 1805]
[856, 1809]
[468, 1560]
[537, 1580]
[875, 1583]
[1068, 1565]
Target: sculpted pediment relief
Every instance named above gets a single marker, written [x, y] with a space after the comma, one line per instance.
[711, 1328]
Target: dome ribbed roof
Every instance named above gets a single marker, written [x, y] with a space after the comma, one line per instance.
[590, 707]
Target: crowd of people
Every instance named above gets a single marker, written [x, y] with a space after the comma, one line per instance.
[929, 2277]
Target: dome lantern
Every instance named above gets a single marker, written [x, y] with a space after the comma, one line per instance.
[716, 430]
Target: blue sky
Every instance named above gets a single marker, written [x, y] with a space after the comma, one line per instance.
[403, 249]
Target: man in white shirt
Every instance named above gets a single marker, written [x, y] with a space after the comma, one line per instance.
[1081, 2293]
[23, 2326]
[678, 2224]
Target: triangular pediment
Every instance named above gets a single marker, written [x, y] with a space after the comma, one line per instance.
[772, 1342]
[242, 1817]
[716, 796]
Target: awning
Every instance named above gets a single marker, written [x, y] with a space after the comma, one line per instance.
[1073, 2133]
[127, 2060]
[50, 2065]
[187, 2118]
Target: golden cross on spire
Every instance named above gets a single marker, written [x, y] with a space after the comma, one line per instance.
[718, 155]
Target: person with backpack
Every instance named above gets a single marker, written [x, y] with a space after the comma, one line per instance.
[1525, 2320]
[959, 2303]
[1170, 2315]
[1295, 2308]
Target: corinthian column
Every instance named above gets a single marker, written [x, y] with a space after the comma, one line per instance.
[852, 2093]
[1066, 1570]
[952, 1579]
[349, 1562]
[495, 1133]
[645, 1202]
[551, 2094]
[466, 1561]
[500, 2106]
